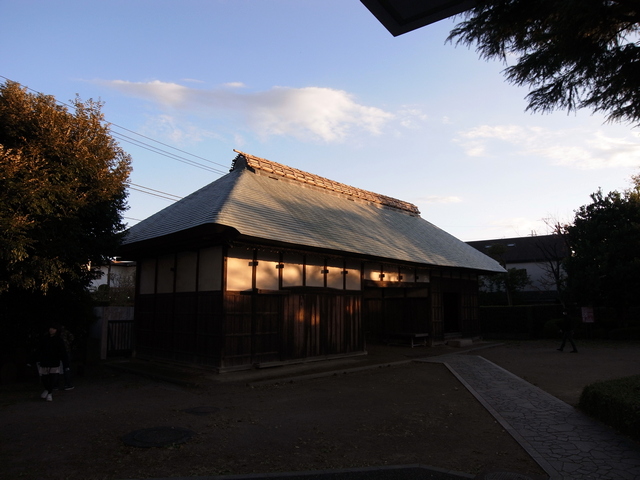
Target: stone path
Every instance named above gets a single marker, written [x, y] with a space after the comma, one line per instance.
[566, 443]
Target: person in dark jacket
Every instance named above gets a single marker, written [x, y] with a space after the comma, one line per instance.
[566, 327]
[50, 355]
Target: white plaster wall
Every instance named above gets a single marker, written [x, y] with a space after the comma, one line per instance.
[210, 269]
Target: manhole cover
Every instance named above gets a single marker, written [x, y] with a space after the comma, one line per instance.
[202, 410]
[157, 437]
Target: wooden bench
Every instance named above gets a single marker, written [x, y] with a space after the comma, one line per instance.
[413, 339]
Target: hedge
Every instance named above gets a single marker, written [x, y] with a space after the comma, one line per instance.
[616, 403]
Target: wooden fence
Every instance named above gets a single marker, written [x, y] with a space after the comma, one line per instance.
[114, 331]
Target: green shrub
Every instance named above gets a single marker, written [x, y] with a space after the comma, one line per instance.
[616, 403]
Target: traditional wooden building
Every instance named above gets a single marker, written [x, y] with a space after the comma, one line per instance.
[272, 264]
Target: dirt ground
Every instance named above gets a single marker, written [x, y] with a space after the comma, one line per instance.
[408, 413]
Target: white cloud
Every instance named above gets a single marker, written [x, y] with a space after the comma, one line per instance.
[603, 152]
[520, 226]
[330, 115]
[310, 113]
[167, 94]
[411, 117]
[176, 130]
[581, 149]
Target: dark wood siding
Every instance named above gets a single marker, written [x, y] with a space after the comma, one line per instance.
[182, 327]
[240, 329]
[317, 324]
[144, 324]
[237, 329]
[455, 306]
[437, 311]
[470, 309]
[397, 310]
[266, 346]
[164, 325]
[263, 328]
[209, 328]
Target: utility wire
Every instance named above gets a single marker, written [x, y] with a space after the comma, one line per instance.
[151, 148]
[164, 153]
[175, 197]
[146, 145]
[166, 145]
[152, 194]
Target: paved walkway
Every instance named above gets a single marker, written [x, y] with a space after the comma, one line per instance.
[565, 443]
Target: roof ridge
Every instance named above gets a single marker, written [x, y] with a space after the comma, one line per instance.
[316, 180]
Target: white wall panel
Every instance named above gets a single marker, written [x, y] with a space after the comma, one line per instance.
[267, 274]
[335, 277]
[239, 269]
[210, 269]
[166, 273]
[353, 276]
[186, 271]
[292, 271]
[147, 269]
[314, 269]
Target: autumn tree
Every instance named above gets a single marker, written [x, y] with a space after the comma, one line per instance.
[62, 196]
[573, 54]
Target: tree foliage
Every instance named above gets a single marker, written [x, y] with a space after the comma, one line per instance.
[553, 251]
[513, 281]
[572, 53]
[604, 266]
[62, 191]
[505, 287]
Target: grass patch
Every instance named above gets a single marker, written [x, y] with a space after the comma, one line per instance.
[616, 403]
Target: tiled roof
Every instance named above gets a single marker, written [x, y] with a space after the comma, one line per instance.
[532, 249]
[274, 168]
[275, 208]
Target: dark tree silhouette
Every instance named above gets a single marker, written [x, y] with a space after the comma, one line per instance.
[572, 53]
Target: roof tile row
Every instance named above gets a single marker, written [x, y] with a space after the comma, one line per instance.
[268, 166]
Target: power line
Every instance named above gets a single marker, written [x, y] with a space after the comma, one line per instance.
[151, 148]
[159, 151]
[166, 145]
[175, 197]
[152, 194]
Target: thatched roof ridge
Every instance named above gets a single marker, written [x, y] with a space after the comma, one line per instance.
[267, 166]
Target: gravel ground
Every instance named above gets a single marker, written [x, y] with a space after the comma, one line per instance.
[404, 413]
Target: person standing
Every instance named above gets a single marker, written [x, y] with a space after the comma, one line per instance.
[566, 327]
[51, 354]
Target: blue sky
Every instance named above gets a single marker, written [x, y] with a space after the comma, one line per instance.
[321, 86]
